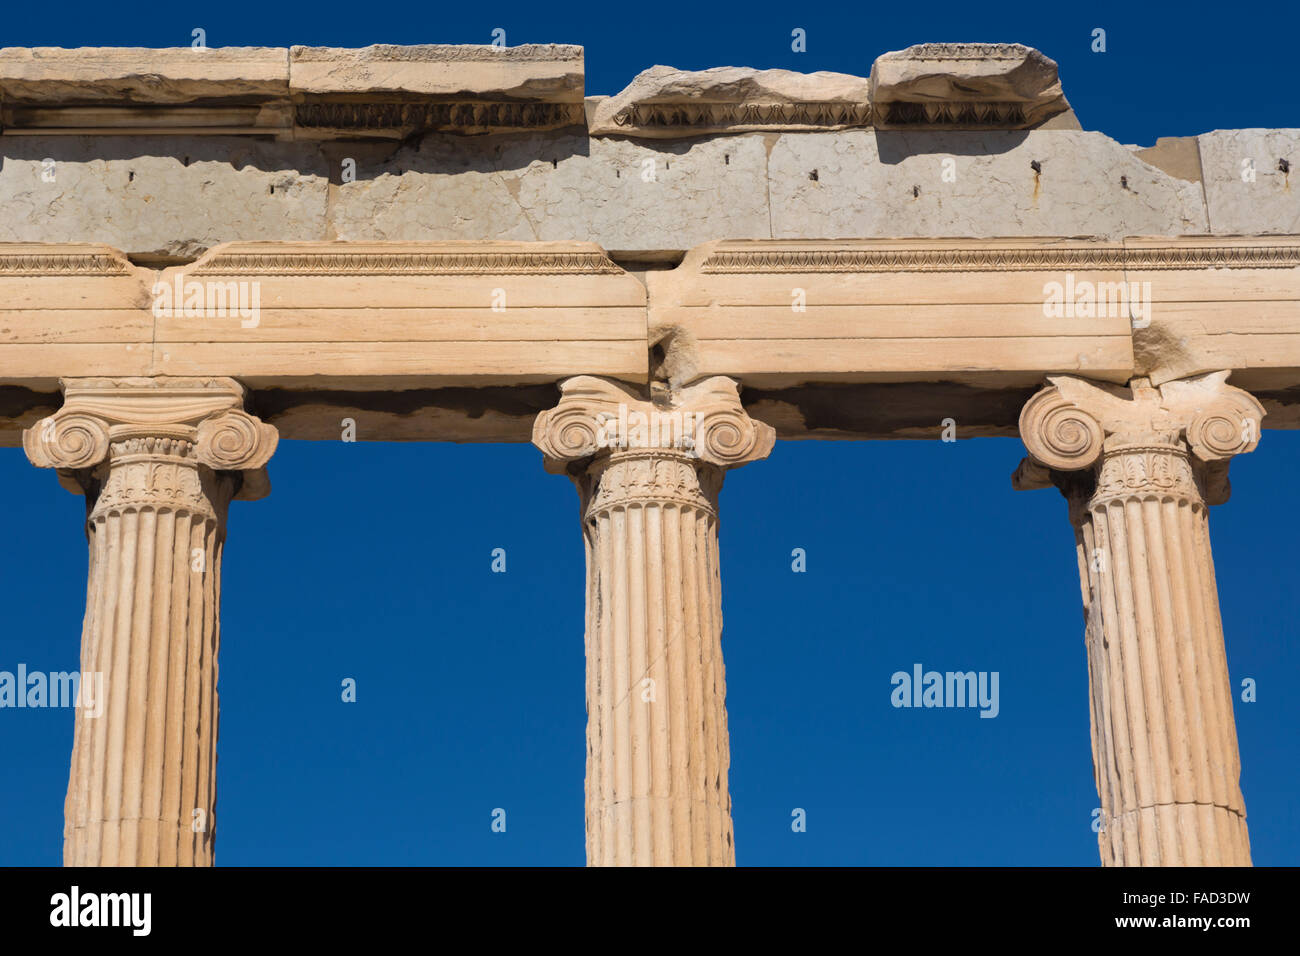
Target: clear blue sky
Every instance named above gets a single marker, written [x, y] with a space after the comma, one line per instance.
[373, 561]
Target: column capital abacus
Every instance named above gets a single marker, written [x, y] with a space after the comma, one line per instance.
[1173, 439]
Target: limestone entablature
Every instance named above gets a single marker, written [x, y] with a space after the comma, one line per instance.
[840, 339]
[389, 91]
[296, 93]
[664, 103]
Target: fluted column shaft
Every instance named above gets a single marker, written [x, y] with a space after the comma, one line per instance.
[159, 465]
[1163, 736]
[1165, 744]
[657, 720]
[140, 773]
[657, 743]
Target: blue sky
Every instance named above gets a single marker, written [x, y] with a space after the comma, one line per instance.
[373, 561]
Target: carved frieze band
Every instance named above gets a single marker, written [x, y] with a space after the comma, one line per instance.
[521, 262]
[455, 53]
[713, 116]
[720, 262]
[964, 51]
[62, 263]
[904, 113]
[450, 114]
[985, 259]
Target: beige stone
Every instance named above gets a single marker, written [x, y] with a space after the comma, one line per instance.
[300, 93]
[663, 102]
[1218, 303]
[54, 75]
[428, 313]
[159, 461]
[1179, 156]
[648, 473]
[837, 339]
[782, 313]
[399, 90]
[546, 72]
[1139, 467]
[418, 314]
[965, 85]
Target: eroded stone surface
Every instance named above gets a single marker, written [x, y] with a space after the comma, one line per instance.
[1179, 156]
[628, 194]
[300, 93]
[147, 196]
[632, 196]
[666, 102]
[138, 75]
[860, 184]
[550, 71]
[970, 85]
[1252, 180]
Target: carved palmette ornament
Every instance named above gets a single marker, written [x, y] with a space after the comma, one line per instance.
[1145, 469]
[632, 478]
[154, 473]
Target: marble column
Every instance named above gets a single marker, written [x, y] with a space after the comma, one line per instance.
[1139, 467]
[158, 461]
[648, 472]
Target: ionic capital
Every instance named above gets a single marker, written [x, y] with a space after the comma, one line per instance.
[196, 421]
[704, 420]
[1139, 438]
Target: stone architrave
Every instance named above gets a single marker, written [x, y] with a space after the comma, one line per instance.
[158, 461]
[1139, 467]
[648, 474]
